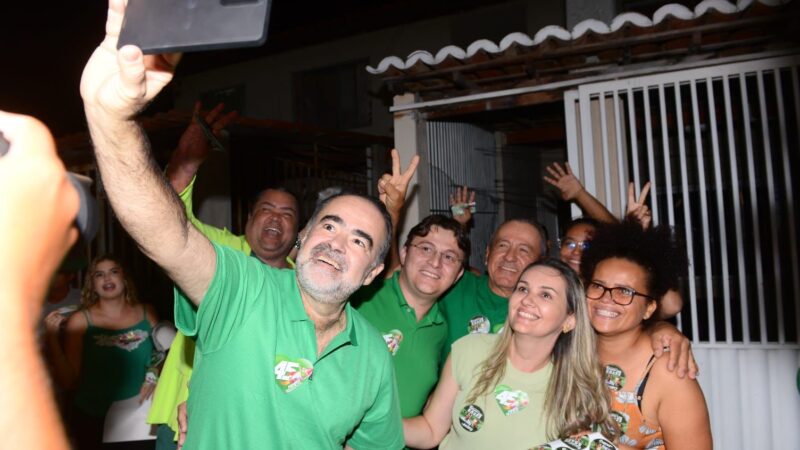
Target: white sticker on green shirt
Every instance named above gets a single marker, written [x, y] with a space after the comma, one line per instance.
[479, 324]
[393, 340]
[291, 373]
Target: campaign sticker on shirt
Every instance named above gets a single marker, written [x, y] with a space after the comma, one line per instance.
[471, 418]
[622, 419]
[614, 378]
[593, 442]
[479, 325]
[393, 340]
[510, 401]
[291, 373]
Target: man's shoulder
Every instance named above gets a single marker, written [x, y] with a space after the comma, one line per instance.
[373, 295]
[466, 288]
[369, 337]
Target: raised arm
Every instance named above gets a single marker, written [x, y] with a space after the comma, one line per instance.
[115, 87]
[392, 190]
[194, 147]
[573, 191]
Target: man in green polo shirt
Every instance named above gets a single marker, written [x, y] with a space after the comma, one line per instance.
[282, 360]
[270, 232]
[404, 307]
[479, 303]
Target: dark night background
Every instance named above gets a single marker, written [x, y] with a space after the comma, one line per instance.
[45, 46]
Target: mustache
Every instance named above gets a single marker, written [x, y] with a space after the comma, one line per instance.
[325, 249]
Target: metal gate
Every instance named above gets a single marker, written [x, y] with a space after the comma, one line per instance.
[721, 148]
[464, 155]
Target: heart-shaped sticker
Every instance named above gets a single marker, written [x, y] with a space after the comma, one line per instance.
[393, 340]
[291, 373]
[510, 401]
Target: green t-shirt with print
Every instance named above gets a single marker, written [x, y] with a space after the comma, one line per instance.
[258, 382]
[470, 307]
[415, 346]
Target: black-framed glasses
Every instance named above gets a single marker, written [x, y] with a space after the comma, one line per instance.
[620, 295]
[572, 244]
[429, 251]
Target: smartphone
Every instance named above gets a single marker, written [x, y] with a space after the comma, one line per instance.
[165, 26]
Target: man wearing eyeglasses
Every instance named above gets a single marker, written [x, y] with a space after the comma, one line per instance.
[404, 307]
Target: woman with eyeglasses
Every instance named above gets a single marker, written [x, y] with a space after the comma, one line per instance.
[575, 241]
[627, 272]
[535, 381]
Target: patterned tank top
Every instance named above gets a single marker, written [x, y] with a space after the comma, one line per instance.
[113, 366]
[626, 409]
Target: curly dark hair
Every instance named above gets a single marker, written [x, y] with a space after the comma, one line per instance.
[580, 221]
[657, 250]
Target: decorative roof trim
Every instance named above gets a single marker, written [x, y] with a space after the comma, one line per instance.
[673, 10]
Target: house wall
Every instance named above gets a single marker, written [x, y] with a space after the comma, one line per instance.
[267, 82]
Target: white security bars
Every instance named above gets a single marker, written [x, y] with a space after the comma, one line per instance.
[720, 146]
[464, 155]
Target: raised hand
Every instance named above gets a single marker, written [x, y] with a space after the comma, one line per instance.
[119, 84]
[392, 188]
[194, 146]
[194, 142]
[464, 202]
[53, 322]
[637, 209]
[563, 179]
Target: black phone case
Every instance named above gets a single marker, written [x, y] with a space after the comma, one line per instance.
[163, 26]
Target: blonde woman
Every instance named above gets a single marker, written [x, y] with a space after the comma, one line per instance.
[108, 349]
[535, 381]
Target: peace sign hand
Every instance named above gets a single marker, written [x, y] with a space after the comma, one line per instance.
[392, 188]
[637, 208]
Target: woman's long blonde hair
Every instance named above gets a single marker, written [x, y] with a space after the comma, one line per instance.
[576, 398]
[90, 298]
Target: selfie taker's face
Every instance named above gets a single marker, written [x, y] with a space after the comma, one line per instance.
[338, 253]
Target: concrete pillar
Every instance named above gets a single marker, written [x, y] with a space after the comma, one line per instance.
[410, 138]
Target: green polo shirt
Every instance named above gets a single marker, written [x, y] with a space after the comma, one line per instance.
[173, 385]
[415, 346]
[471, 307]
[257, 380]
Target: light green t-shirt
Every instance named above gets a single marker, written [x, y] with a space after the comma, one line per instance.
[416, 346]
[257, 380]
[470, 307]
[508, 417]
